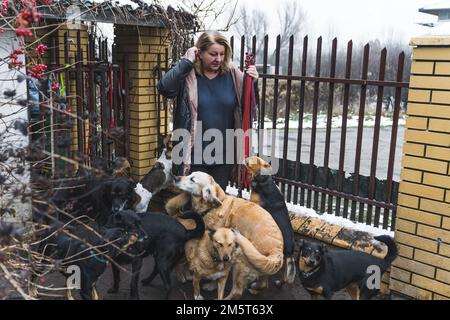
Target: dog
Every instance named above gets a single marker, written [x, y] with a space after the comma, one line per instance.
[212, 257]
[324, 272]
[261, 240]
[91, 257]
[265, 192]
[158, 235]
[158, 178]
[122, 167]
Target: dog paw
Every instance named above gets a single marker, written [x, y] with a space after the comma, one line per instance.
[199, 297]
[236, 232]
[210, 286]
[253, 292]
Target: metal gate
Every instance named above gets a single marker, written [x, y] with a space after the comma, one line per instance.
[83, 110]
[369, 198]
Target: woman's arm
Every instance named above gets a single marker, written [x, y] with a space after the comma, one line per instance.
[169, 85]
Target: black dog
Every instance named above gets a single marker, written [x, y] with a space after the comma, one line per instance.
[159, 235]
[90, 256]
[324, 272]
[266, 193]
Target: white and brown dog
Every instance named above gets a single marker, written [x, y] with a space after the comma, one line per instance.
[158, 178]
[260, 238]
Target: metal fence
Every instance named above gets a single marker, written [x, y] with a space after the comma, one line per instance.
[369, 199]
[91, 94]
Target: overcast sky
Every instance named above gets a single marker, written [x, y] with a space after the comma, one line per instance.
[355, 19]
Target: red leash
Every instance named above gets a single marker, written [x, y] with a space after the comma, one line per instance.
[246, 126]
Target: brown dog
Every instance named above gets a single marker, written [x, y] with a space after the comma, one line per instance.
[212, 257]
[261, 240]
[266, 193]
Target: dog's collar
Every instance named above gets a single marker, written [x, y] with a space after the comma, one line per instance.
[306, 275]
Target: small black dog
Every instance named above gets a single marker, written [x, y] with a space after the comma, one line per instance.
[90, 256]
[266, 193]
[324, 272]
[158, 235]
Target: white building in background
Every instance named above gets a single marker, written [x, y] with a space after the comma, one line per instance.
[440, 9]
[441, 12]
[10, 111]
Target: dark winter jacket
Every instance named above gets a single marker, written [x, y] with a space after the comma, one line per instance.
[180, 84]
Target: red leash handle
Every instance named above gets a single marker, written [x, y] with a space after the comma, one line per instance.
[246, 126]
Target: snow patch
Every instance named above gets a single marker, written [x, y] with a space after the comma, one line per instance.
[329, 218]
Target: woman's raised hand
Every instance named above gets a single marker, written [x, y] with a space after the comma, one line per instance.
[191, 54]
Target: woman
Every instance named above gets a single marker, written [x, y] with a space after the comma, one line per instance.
[207, 88]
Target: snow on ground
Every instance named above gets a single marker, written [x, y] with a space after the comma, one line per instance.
[332, 219]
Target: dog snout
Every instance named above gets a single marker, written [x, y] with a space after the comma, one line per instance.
[226, 258]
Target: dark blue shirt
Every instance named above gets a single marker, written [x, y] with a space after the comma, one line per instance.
[216, 102]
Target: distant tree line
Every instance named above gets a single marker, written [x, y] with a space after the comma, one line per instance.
[292, 21]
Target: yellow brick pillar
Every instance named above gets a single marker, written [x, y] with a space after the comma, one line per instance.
[141, 45]
[423, 215]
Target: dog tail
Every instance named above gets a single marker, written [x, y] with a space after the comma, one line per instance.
[392, 248]
[199, 230]
[269, 265]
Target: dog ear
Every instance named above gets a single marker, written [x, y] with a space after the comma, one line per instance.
[167, 139]
[324, 248]
[209, 195]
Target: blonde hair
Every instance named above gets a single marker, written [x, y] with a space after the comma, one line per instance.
[205, 41]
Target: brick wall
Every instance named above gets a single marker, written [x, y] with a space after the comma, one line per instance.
[141, 45]
[423, 216]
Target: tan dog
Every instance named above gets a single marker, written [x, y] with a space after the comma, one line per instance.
[261, 240]
[212, 258]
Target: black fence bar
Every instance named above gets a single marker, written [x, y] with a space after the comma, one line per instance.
[348, 73]
[300, 123]
[348, 70]
[264, 87]
[232, 47]
[275, 97]
[287, 115]
[79, 90]
[359, 139]
[312, 150]
[166, 111]
[376, 135]
[242, 53]
[156, 75]
[398, 96]
[326, 159]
